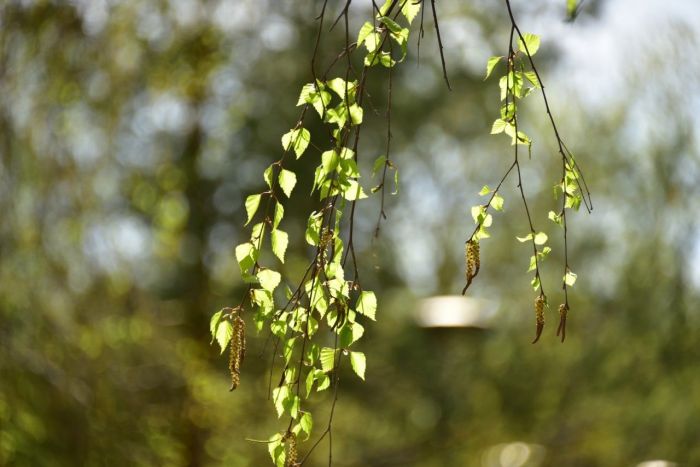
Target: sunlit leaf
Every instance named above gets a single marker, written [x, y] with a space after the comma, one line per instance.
[287, 181]
[359, 363]
[251, 206]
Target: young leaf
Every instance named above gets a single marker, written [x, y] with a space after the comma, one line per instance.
[280, 240]
[540, 238]
[490, 65]
[279, 396]
[367, 305]
[410, 9]
[223, 334]
[554, 217]
[251, 206]
[297, 139]
[498, 126]
[359, 363]
[525, 239]
[246, 255]
[279, 214]
[378, 164]
[267, 175]
[341, 87]
[269, 279]
[287, 181]
[485, 191]
[275, 447]
[365, 31]
[313, 228]
[356, 114]
[570, 278]
[327, 359]
[532, 42]
[497, 202]
[353, 191]
[214, 323]
[307, 423]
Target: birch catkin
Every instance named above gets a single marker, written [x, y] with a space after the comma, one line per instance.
[292, 454]
[237, 352]
[539, 317]
[472, 259]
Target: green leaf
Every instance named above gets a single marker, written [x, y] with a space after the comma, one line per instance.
[224, 331]
[391, 24]
[340, 87]
[367, 305]
[554, 217]
[356, 114]
[246, 255]
[379, 163]
[214, 323]
[307, 424]
[324, 382]
[267, 175]
[350, 333]
[410, 9]
[532, 78]
[329, 161]
[525, 239]
[297, 139]
[570, 278]
[478, 213]
[313, 228]
[491, 64]
[279, 396]
[481, 233]
[359, 363]
[280, 240]
[327, 359]
[497, 202]
[498, 126]
[275, 447]
[485, 190]
[309, 382]
[315, 95]
[251, 206]
[535, 283]
[308, 94]
[279, 214]
[269, 279]
[257, 232]
[365, 31]
[287, 181]
[532, 42]
[353, 191]
[533, 264]
[540, 238]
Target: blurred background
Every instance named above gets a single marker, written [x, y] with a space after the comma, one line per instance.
[131, 132]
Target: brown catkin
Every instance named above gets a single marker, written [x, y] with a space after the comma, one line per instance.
[472, 259]
[561, 331]
[237, 352]
[292, 454]
[539, 317]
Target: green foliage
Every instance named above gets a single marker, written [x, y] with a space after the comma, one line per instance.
[324, 298]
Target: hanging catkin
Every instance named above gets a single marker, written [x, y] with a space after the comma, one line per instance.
[237, 352]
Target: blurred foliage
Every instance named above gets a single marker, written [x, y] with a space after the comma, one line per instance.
[130, 134]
